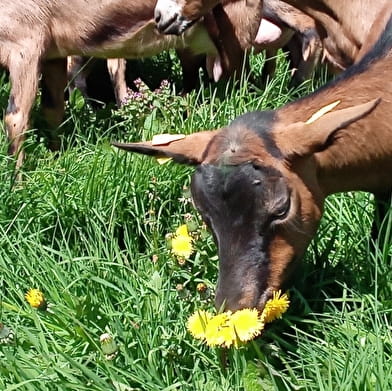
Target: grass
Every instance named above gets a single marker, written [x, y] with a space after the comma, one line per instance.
[88, 228]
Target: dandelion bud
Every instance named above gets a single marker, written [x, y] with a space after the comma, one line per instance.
[181, 261]
[201, 287]
[183, 293]
[7, 335]
[191, 225]
[109, 346]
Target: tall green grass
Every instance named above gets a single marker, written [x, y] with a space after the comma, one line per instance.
[88, 227]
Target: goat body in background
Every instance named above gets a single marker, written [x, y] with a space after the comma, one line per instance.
[36, 36]
[284, 26]
[261, 182]
[343, 26]
[289, 29]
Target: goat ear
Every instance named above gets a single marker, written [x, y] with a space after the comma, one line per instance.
[306, 138]
[183, 149]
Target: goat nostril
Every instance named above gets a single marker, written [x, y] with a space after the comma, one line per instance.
[157, 16]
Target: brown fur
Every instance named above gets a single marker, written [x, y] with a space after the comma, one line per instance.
[375, 30]
[344, 27]
[194, 10]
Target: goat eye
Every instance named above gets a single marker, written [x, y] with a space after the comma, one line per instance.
[282, 211]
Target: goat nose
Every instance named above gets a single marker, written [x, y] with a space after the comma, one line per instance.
[157, 16]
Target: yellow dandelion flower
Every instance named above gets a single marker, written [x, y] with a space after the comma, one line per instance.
[182, 230]
[227, 335]
[220, 331]
[182, 246]
[275, 307]
[230, 329]
[36, 299]
[197, 323]
[182, 243]
[247, 324]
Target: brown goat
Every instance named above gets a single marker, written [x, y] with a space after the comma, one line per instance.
[36, 36]
[343, 26]
[261, 182]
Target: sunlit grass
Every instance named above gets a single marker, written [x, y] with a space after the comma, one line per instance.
[88, 227]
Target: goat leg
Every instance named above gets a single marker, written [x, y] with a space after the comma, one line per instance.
[24, 74]
[77, 70]
[54, 81]
[117, 68]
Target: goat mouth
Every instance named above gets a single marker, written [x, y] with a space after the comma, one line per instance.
[168, 26]
[175, 25]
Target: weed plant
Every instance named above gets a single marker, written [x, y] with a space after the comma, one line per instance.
[88, 228]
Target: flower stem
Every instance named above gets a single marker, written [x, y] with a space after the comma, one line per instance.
[258, 351]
